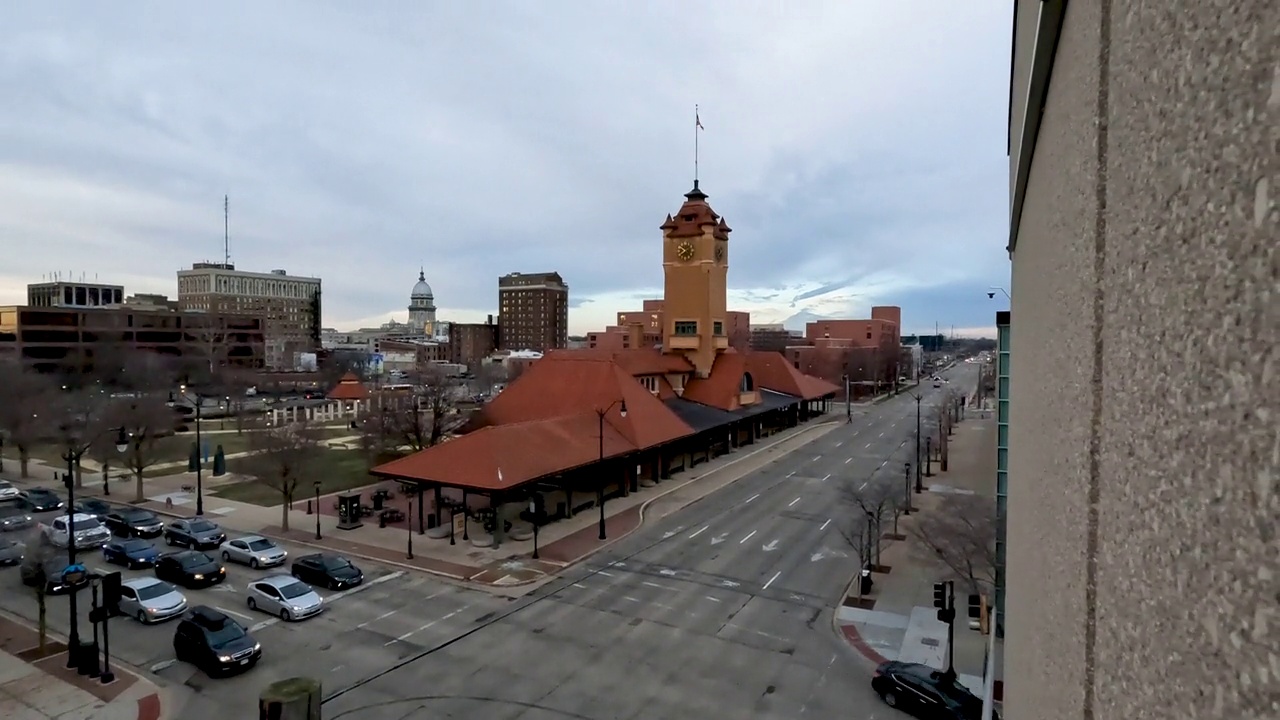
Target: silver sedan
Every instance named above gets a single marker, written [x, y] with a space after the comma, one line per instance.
[254, 551]
[285, 596]
[149, 600]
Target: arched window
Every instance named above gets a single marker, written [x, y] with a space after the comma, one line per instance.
[747, 385]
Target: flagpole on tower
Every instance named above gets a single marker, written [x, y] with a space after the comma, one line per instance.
[697, 125]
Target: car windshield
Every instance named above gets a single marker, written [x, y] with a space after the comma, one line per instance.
[138, 516]
[227, 633]
[195, 560]
[333, 562]
[134, 546]
[260, 545]
[150, 592]
[202, 526]
[293, 590]
[87, 524]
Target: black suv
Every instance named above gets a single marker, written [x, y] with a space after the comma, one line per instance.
[215, 643]
[134, 522]
[190, 569]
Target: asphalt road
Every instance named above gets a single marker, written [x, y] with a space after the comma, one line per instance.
[722, 609]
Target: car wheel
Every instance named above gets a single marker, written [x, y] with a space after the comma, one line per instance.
[253, 605]
[226, 556]
[284, 615]
[890, 699]
[254, 563]
[142, 617]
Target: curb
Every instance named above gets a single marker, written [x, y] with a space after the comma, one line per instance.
[849, 633]
[371, 558]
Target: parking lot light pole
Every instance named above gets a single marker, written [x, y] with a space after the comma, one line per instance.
[906, 480]
[317, 484]
[72, 458]
[199, 453]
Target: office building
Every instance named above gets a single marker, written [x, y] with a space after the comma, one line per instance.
[533, 311]
[289, 305]
[64, 294]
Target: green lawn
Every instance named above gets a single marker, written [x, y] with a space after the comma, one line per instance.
[337, 470]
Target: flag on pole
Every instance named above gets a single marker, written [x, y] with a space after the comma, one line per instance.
[697, 119]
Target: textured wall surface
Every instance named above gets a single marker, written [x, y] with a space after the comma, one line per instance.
[1158, 204]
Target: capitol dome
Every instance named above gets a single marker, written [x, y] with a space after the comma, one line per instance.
[422, 289]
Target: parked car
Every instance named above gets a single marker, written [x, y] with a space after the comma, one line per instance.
[131, 553]
[282, 595]
[42, 499]
[11, 552]
[214, 642]
[149, 600]
[89, 533]
[94, 507]
[14, 517]
[196, 534]
[134, 522]
[254, 551]
[8, 493]
[190, 568]
[925, 692]
[327, 570]
[51, 570]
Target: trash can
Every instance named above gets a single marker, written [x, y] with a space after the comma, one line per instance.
[377, 502]
[87, 658]
[866, 581]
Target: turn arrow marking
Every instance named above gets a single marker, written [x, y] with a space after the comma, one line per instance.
[719, 539]
[773, 545]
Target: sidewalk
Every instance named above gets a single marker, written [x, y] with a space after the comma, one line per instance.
[560, 544]
[39, 687]
[897, 620]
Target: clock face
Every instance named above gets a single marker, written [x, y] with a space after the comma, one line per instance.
[719, 253]
[685, 251]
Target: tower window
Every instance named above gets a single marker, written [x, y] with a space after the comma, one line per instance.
[686, 327]
[718, 327]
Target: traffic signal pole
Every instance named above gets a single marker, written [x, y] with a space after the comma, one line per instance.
[944, 599]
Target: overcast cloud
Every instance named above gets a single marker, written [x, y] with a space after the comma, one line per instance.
[856, 147]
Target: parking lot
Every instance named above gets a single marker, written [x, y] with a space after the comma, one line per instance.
[362, 630]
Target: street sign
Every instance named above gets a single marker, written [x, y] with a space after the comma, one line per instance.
[73, 574]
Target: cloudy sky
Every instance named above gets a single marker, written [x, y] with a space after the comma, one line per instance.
[857, 148]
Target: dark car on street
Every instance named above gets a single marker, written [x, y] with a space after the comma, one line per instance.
[134, 522]
[190, 569]
[214, 642]
[328, 571]
[14, 517]
[11, 552]
[131, 553]
[196, 534]
[925, 692]
[94, 507]
[51, 570]
[42, 500]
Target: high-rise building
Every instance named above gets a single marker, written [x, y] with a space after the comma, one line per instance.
[288, 304]
[1139, 355]
[533, 311]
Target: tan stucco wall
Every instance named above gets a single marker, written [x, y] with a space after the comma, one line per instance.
[1182, 445]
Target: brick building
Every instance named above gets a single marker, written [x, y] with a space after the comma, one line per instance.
[533, 311]
[469, 343]
[773, 338]
[643, 328]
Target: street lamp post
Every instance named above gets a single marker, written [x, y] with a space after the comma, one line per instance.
[453, 515]
[317, 486]
[600, 490]
[906, 480]
[533, 512]
[72, 458]
[199, 453]
[848, 401]
[408, 523]
[919, 483]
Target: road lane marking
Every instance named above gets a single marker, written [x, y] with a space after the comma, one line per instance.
[793, 472]
[753, 497]
[712, 599]
[825, 524]
[424, 627]
[881, 434]
[656, 585]
[817, 458]
[699, 531]
[605, 573]
[748, 537]
[384, 615]
[848, 460]
[580, 586]
[775, 577]
[839, 443]
[862, 486]
[868, 446]
[628, 598]
[232, 612]
[793, 502]
[364, 586]
[826, 477]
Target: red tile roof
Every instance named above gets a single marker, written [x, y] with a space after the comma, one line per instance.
[349, 388]
[720, 389]
[505, 456]
[771, 370]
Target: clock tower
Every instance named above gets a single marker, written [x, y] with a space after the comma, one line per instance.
[695, 264]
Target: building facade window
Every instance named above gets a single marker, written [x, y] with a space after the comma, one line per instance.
[686, 327]
[718, 327]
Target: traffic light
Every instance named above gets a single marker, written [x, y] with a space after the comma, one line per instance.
[111, 592]
[940, 595]
[975, 606]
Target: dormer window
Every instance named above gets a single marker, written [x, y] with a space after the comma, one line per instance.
[747, 385]
[688, 218]
[650, 383]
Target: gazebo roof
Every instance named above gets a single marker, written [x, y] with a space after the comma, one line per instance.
[349, 388]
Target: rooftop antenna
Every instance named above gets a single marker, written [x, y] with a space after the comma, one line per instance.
[226, 229]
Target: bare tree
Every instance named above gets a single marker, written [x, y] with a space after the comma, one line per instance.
[872, 502]
[80, 418]
[436, 405]
[961, 534]
[281, 458]
[857, 532]
[488, 376]
[36, 552]
[24, 417]
[144, 420]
